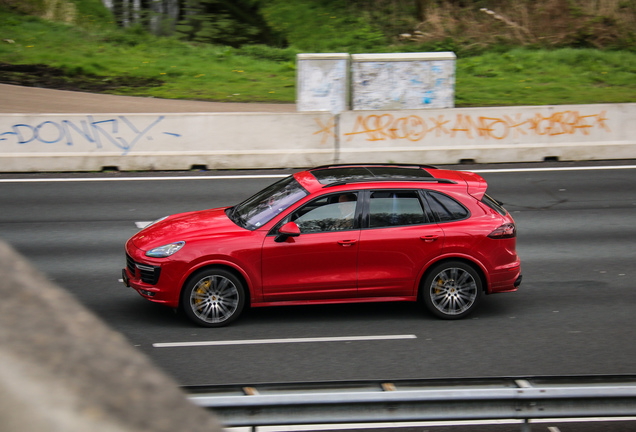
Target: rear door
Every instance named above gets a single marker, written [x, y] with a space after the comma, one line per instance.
[397, 240]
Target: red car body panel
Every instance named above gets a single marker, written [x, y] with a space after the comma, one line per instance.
[391, 259]
[354, 265]
[311, 267]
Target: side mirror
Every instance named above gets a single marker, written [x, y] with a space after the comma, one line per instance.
[290, 229]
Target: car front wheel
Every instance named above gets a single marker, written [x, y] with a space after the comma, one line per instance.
[213, 298]
[452, 290]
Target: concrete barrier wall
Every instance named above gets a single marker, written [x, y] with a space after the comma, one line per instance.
[74, 142]
[505, 134]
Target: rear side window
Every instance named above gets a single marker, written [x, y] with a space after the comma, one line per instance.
[395, 208]
[494, 204]
[446, 208]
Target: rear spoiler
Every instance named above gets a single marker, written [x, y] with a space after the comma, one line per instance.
[476, 184]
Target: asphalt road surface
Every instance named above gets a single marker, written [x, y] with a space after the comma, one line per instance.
[574, 313]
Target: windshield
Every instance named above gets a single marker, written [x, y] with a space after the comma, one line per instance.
[262, 207]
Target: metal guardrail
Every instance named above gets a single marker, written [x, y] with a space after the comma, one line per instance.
[419, 400]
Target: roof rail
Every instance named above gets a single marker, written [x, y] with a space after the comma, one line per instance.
[388, 180]
[374, 165]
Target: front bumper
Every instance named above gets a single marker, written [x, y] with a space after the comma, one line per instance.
[151, 278]
[124, 278]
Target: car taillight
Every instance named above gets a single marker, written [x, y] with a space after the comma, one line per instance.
[503, 232]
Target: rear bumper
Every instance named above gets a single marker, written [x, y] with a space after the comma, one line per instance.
[508, 280]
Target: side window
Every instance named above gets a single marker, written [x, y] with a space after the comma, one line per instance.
[395, 208]
[330, 213]
[446, 208]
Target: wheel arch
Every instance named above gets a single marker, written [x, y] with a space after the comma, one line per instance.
[220, 266]
[478, 267]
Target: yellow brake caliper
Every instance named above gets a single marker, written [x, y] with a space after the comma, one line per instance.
[202, 288]
[440, 284]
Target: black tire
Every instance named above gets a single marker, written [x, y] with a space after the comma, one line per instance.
[451, 290]
[213, 298]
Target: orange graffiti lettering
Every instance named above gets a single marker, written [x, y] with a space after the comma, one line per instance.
[600, 120]
[380, 127]
[326, 130]
[372, 126]
[463, 124]
[438, 127]
[411, 128]
[516, 125]
[493, 128]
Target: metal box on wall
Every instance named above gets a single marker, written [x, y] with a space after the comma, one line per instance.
[323, 82]
[403, 81]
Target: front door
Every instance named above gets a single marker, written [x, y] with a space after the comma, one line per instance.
[320, 263]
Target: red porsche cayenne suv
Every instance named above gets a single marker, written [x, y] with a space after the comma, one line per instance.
[333, 234]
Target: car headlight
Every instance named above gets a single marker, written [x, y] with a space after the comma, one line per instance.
[165, 250]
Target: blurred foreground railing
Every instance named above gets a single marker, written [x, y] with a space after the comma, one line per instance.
[420, 400]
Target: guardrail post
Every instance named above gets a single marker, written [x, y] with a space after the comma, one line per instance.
[525, 426]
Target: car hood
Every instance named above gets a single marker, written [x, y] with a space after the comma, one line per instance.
[184, 226]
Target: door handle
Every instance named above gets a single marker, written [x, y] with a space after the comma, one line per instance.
[346, 243]
[429, 238]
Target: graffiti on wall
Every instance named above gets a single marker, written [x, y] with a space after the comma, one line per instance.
[327, 130]
[396, 85]
[322, 85]
[380, 127]
[121, 132]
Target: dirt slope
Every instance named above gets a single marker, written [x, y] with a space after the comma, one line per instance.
[31, 100]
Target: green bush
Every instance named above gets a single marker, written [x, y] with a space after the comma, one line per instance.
[316, 27]
[265, 52]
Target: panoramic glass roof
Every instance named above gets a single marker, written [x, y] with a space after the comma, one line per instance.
[361, 173]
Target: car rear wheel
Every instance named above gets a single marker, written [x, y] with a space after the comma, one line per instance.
[213, 298]
[452, 290]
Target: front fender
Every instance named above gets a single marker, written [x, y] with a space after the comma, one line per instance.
[250, 279]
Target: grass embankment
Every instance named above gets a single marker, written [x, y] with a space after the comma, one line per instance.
[110, 60]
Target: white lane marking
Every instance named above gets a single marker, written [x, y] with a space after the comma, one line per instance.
[387, 425]
[590, 168]
[281, 341]
[276, 176]
[398, 425]
[142, 225]
[115, 179]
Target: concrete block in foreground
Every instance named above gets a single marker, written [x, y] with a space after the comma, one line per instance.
[62, 369]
